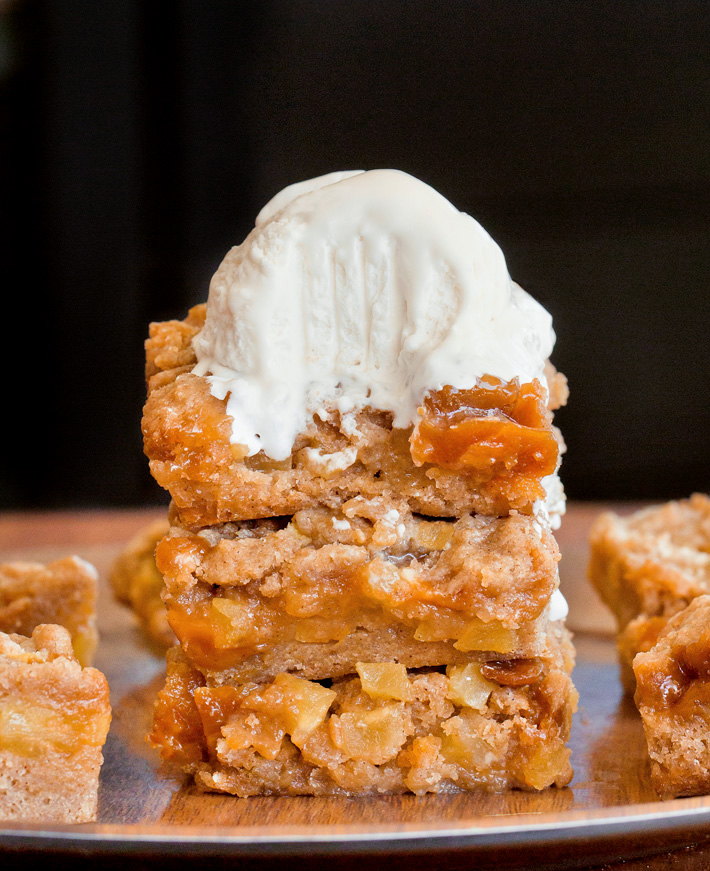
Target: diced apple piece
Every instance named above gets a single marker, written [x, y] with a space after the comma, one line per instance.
[433, 534]
[441, 626]
[491, 636]
[233, 623]
[375, 736]
[384, 680]
[463, 744]
[250, 730]
[546, 764]
[468, 687]
[302, 705]
[32, 730]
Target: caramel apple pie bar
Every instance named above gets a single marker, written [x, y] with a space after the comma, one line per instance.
[649, 566]
[673, 696]
[62, 592]
[54, 718]
[357, 435]
[138, 584]
[487, 449]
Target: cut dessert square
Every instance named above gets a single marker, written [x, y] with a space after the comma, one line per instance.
[673, 696]
[62, 592]
[54, 718]
[315, 593]
[648, 566]
[489, 725]
[137, 583]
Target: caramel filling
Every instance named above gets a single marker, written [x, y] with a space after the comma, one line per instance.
[33, 730]
[177, 727]
[368, 719]
[218, 633]
[497, 429]
[682, 685]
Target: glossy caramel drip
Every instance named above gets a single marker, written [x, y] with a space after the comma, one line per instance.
[694, 703]
[666, 687]
[496, 429]
[216, 705]
[679, 688]
[697, 654]
[177, 726]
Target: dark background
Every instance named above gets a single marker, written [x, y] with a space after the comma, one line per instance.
[138, 140]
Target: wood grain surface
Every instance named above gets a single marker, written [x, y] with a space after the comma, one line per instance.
[140, 798]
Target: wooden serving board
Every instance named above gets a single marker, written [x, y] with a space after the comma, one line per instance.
[148, 810]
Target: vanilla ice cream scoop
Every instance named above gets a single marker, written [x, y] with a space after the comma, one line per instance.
[360, 289]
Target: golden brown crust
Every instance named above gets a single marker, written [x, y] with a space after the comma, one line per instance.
[55, 718]
[169, 346]
[654, 561]
[62, 592]
[557, 387]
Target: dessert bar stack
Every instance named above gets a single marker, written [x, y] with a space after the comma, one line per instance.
[349, 620]
[374, 609]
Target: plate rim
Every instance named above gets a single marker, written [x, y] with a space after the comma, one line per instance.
[683, 816]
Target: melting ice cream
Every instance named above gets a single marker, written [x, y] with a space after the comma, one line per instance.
[360, 288]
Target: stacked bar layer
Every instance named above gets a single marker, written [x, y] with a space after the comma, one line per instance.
[371, 614]
[315, 593]
[386, 729]
[486, 450]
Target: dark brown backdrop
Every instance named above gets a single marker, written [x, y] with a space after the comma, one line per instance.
[138, 141]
